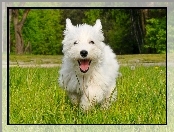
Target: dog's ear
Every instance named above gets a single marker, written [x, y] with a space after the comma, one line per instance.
[68, 24]
[98, 28]
[98, 25]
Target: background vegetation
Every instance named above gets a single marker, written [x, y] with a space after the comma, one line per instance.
[127, 31]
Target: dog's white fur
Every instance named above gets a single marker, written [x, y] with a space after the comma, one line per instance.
[98, 84]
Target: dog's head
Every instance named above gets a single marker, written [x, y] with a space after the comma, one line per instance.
[83, 44]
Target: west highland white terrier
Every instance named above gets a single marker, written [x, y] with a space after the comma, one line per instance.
[89, 69]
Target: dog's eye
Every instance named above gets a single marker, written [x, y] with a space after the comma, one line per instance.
[75, 42]
[91, 42]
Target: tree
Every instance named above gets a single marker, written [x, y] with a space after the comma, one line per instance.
[127, 31]
[118, 31]
[43, 32]
[18, 25]
[137, 24]
[156, 31]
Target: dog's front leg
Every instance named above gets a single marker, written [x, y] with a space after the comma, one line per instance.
[74, 97]
[86, 102]
[109, 99]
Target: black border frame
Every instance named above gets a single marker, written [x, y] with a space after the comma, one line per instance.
[8, 67]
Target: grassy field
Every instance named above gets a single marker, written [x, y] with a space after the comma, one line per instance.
[36, 98]
[56, 59]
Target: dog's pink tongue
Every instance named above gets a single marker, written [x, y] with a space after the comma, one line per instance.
[84, 64]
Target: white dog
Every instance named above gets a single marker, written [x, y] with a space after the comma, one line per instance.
[89, 68]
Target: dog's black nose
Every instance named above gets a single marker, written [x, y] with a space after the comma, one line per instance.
[83, 53]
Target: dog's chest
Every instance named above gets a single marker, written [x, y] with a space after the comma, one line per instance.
[85, 82]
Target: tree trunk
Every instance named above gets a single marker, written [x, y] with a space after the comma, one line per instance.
[134, 20]
[141, 33]
[143, 21]
[18, 29]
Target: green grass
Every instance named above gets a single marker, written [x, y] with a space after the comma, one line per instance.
[142, 58]
[36, 59]
[56, 59]
[36, 98]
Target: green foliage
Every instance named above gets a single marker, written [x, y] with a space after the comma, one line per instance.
[156, 34]
[91, 16]
[119, 35]
[76, 15]
[44, 32]
[43, 29]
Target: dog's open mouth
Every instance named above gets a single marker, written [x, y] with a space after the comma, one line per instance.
[84, 65]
